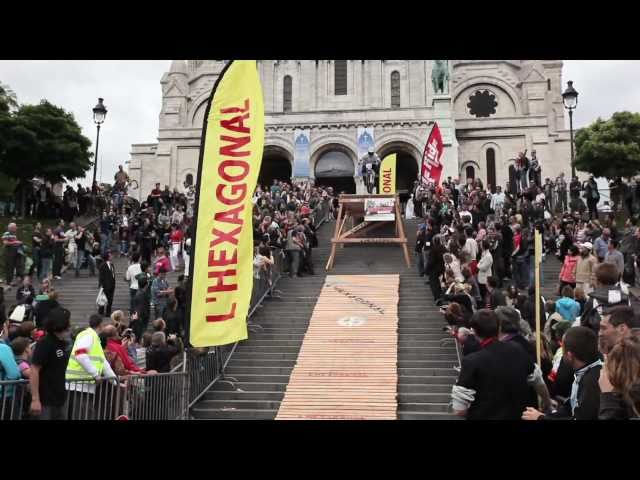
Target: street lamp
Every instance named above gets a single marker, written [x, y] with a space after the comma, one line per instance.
[99, 114]
[570, 100]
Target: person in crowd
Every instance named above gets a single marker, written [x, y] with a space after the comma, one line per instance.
[580, 349]
[615, 257]
[160, 291]
[585, 269]
[59, 240]
[162, 262]
[141, 307]
[616, 325]
[601, 244]
[495, 297]
[118, 346]
[484, 268]
[494, 383]
[607, 294]
[87, 364]
[566, 306]
[174, 317]
[567, 275]
[45, 303]
[107, 281]
[12, 248]
[175, 238]
[48, 367]
[26, 294]
[161, 352]
[619, 382]
[131, 276]
[21, 347]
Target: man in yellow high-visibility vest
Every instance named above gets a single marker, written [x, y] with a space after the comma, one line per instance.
[87, 367]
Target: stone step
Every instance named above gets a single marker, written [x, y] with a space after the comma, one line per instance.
[257, 396]
[233, 414]
[411, 415]
[424, 388]
[222, 404]
[251, 387]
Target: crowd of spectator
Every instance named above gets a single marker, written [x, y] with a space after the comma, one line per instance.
[147, 338]
[475, 246]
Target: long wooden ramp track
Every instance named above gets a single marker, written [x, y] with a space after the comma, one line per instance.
[347, 368]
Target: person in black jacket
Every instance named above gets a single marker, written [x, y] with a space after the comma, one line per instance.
[435, 266]
[495, 298]
[494, 382]
[581, 352]
[141, 306]
[107, 281]
[159, 355]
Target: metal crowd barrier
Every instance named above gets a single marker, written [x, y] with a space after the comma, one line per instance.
[162, 396]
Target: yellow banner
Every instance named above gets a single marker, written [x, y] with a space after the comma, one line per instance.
[230, 158]
[388, 175]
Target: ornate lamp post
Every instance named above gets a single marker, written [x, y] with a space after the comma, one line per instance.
[570, 100]
[99, 114]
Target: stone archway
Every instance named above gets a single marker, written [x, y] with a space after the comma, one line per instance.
[333, 166]
[276, 165]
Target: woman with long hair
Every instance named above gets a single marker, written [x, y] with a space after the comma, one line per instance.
[620, 382]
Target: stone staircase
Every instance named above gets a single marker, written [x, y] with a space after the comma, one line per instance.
[262, 364]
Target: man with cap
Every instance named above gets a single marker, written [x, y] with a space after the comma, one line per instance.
[585, 268]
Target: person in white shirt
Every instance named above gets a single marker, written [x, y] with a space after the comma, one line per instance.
[72, 248]
[470, 245]
[177, 216]
[131, 276]
[497, 202]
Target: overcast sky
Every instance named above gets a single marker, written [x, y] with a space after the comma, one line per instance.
[132, 95]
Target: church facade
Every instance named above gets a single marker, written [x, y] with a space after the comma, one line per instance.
[321, 116]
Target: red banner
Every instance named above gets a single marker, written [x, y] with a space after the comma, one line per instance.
[431, 170]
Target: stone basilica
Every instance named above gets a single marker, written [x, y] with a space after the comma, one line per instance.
[321, 115]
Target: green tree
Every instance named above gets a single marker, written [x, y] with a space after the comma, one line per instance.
[8, 100]
[42, 141]
[610, 148]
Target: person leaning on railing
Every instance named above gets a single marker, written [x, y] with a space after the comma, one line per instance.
[87, 365]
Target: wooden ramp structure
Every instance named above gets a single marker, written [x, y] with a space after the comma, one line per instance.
[347, 366]
[354, 208]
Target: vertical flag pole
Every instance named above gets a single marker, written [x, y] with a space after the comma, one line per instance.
[538, 256]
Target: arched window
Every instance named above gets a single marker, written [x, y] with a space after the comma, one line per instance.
[340, 77]
[395, 89]
[491, 168]
[470, 172]
[189, 179]
[286, 94]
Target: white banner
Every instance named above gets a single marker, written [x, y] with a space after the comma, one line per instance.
[301, 154]
[364, 139]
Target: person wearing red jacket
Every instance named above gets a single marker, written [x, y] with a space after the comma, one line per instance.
[115, 346]
[162, 262]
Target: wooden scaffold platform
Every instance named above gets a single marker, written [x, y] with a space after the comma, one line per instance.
[352, 207]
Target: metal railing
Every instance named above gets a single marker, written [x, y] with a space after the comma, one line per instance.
[162, 396]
